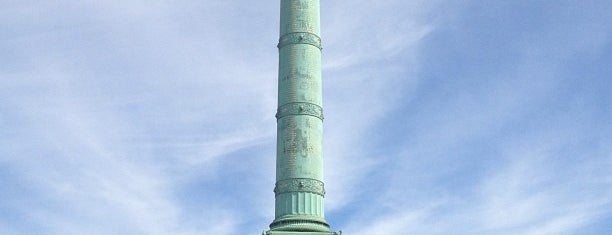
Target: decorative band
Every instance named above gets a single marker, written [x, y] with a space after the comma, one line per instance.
[299, 185]
[300, 38]
[299, 108]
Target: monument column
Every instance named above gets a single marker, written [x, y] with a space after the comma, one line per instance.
[299, 190]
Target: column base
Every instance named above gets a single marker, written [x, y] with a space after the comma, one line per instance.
[300, 223]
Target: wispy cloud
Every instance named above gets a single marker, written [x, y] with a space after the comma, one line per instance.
[104, 122]
[455, 140]
[363, 81]
[158, 117]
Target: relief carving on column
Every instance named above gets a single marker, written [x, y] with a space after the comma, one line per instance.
[300, 108]
[299, 185]
[300, 38]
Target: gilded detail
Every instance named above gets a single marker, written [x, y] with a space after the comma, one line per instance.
[299, 185]
[300, 108]
[300, 38]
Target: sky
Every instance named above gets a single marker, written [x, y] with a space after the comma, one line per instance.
[441, 117]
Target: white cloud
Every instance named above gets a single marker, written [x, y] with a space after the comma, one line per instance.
[359, 91]
[123, 117]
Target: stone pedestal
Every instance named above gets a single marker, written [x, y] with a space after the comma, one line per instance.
[301, 233]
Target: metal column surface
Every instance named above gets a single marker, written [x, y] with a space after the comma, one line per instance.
[299, 189]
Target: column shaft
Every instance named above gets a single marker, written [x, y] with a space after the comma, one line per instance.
[299, 156]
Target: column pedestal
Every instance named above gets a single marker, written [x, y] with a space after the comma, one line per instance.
[301, 233]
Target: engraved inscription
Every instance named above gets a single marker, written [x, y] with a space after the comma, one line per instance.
[307, 84]
[302, 5]
[299, 73]
[300, 185]
[293, 141]
[289, 144]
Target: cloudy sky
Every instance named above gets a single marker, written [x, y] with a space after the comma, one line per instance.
[442, 117]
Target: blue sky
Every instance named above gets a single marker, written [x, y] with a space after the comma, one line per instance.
[442, 117]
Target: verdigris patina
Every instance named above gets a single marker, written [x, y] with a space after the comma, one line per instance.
[299, 187]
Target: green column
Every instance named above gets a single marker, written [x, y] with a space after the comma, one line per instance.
[299, 187]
